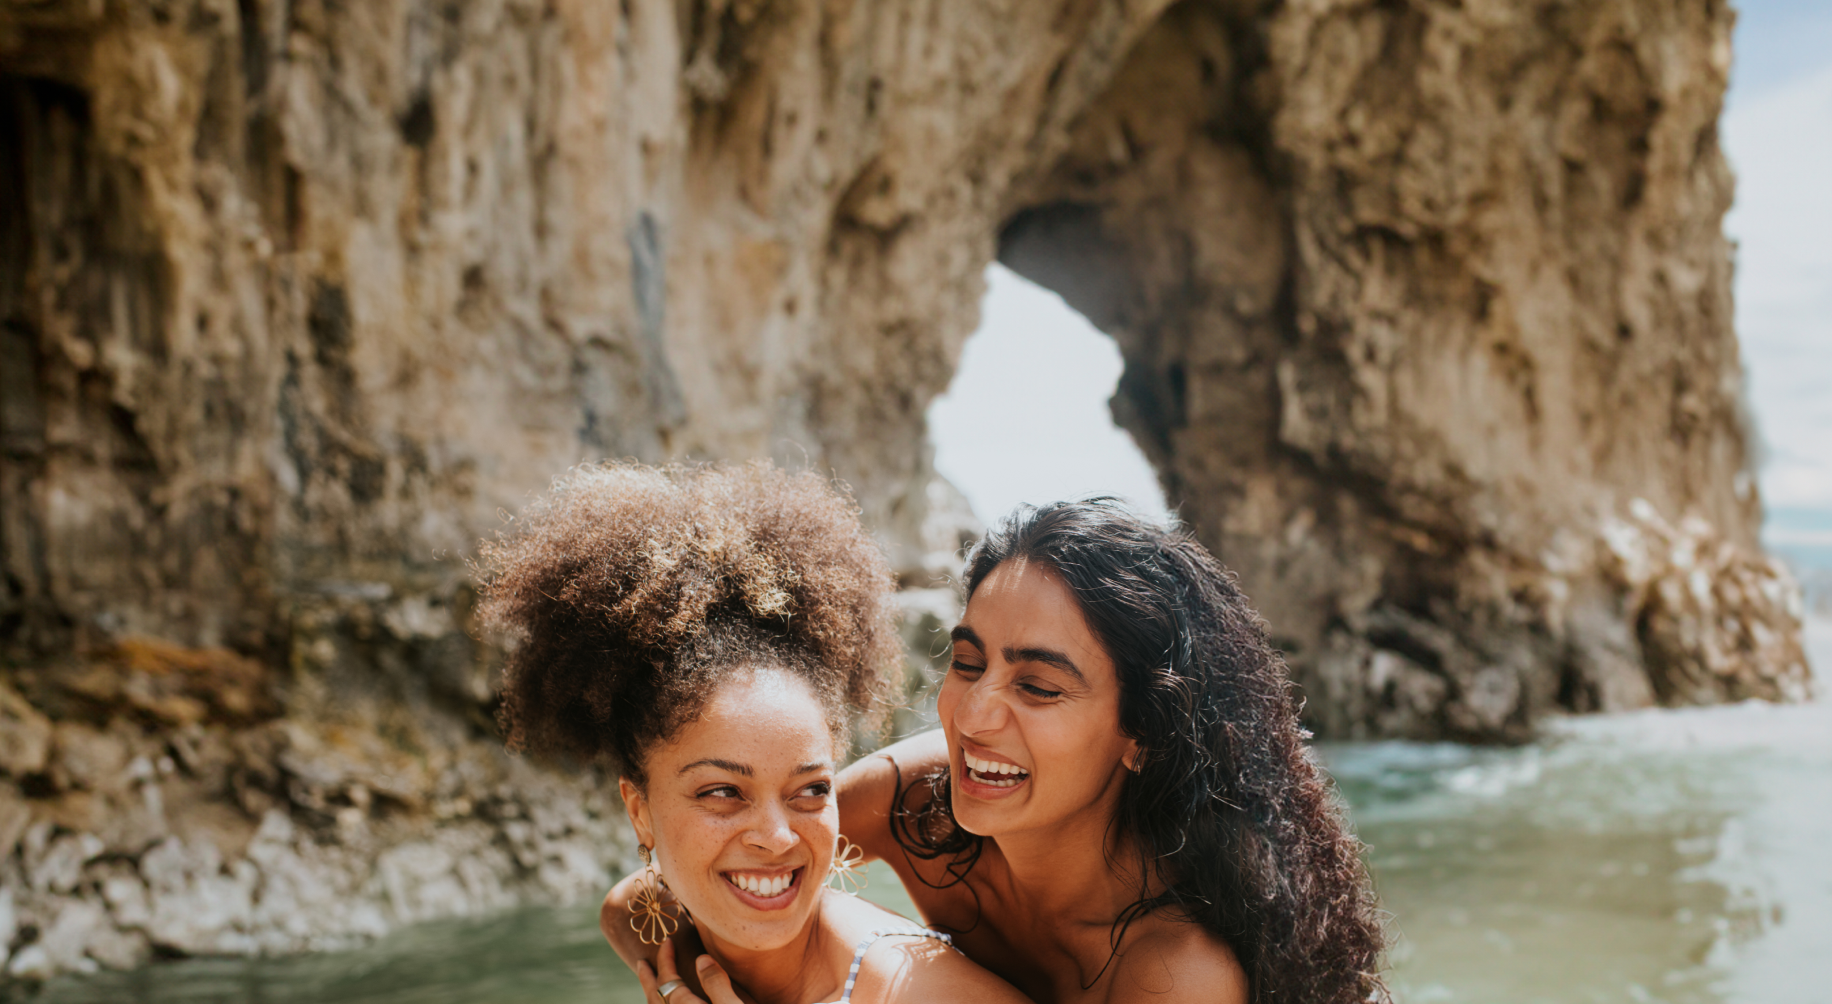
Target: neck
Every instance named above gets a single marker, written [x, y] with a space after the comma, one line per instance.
[1077, 872]
[796, 973]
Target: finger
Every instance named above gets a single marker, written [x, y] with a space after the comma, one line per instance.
[652, 981]
[713, 980]
[664, 960]
[646, 976]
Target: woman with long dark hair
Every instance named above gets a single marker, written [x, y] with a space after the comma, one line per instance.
[1119, 805]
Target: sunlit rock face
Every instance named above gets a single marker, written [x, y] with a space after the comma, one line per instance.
[1427, 320]
[297, 299]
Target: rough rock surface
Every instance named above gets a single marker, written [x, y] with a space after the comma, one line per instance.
[1422, 304]
[171, 811]
[1425, 308]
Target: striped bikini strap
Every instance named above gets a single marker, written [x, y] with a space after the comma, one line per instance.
[858, 955]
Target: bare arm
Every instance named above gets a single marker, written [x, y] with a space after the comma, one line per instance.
[614, 921]
[867, 787]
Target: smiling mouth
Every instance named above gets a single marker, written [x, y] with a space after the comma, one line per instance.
[765, 886]
[994, 773]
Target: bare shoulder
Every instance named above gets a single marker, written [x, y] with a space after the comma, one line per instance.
[907, 968]
[1174, 961]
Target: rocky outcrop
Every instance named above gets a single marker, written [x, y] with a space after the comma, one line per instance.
[152, 801]
[296, 297]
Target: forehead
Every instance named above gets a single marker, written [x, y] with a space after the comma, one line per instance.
[766, 717]
[1023, 603]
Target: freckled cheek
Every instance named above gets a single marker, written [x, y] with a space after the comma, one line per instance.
[820, 834]
[694, 847]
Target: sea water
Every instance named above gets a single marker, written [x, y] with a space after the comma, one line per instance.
[1675, 856]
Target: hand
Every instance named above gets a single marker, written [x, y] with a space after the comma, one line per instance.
[713, 980]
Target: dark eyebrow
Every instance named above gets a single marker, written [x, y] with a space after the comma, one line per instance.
[1047, 656]
[735, 768]
[809, 768]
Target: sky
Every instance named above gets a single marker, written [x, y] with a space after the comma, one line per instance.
[1777, 130]
[1052, 436]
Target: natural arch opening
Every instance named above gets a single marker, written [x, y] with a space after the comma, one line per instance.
[1027, 418]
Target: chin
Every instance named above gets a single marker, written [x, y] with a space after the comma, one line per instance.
[758, 937]
[980, 818]
[753, 930]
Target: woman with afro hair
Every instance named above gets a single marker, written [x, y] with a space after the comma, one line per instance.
[710, 632]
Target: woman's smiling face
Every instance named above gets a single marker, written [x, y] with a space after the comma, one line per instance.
[739, 808]
[1030, 706]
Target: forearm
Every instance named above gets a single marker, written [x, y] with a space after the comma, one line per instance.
[867, 788]
[919, 754]
[614, 921]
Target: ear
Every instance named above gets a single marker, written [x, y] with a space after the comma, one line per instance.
[1130, 758]
[637, 805]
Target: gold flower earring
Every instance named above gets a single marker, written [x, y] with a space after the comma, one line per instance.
[847, 872]
[649, 917]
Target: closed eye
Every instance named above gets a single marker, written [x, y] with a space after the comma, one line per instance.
[1036, 691]
[966, 668]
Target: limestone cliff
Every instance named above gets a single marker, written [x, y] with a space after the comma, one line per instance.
[1425, 309]
[1427, 319]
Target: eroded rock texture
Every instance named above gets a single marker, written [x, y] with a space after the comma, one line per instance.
[1425, 310]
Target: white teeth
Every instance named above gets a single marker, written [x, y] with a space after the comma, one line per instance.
[758, 885]
[993, 768]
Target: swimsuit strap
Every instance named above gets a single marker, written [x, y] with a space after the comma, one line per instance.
[858, 956]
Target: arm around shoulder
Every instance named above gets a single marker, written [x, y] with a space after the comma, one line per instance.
[614, 921]
[867, 788]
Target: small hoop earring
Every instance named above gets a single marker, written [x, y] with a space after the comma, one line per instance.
[649, 916]
[847, 872]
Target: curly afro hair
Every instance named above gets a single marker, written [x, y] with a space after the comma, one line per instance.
[629, 593]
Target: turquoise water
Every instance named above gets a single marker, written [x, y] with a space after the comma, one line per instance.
[1670, 856]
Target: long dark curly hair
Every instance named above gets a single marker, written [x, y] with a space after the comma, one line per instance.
[1239, 828]
[629, 593]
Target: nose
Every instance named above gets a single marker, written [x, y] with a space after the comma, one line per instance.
[770, 831]
[982, 709]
